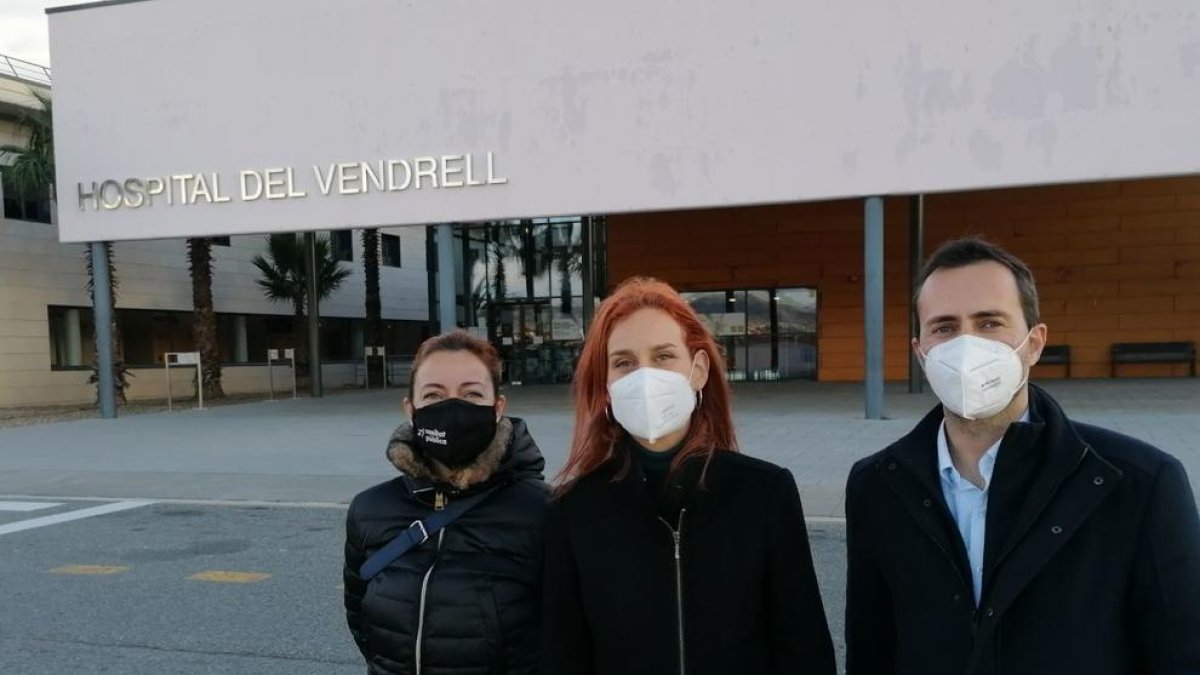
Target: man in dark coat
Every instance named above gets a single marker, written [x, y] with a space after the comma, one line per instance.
[999, 536]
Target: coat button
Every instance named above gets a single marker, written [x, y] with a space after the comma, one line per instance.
[928, 503]
[1056, 530]
[892, 466]
[1098, 481]
[957, 597]
[990, 613]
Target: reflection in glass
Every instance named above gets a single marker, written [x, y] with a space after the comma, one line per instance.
[525, 279]
[765, 334]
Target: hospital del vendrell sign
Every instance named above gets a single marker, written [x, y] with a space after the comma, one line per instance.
[342, 178]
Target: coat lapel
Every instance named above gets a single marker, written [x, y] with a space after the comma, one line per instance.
[1071, 484]
[910, 470]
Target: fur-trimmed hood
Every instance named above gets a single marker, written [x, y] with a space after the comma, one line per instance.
[511, 455]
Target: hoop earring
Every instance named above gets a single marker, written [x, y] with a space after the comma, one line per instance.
[608, 412]
[700, 394]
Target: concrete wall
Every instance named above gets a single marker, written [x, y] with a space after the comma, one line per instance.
[1115, 262]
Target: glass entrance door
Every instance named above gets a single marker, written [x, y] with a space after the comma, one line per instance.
[766, 334]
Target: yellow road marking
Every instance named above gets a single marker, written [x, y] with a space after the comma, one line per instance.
[89, 569]
[222, 577]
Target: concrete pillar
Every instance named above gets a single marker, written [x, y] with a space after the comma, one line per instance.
[447, 302]
[74, 339]
[102, 304]
[314, 316]
[873, 304]
[916, 260]
[241, 340]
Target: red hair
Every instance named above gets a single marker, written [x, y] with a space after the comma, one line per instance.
[596, 433]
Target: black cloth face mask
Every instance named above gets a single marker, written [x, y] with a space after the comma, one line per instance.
[454, 431]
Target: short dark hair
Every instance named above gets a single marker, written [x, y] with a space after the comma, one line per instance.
[458, 341]
[972, 250]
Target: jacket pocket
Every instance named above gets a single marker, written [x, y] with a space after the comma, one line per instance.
[494, 637]
[364, 608]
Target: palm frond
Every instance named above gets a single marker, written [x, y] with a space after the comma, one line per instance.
[30, 168]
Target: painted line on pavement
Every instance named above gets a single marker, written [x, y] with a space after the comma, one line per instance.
[44, 521]
[282, 505]
[835, 520]
[195, 502]
[25, 507]
[224, 577]
[99, 570]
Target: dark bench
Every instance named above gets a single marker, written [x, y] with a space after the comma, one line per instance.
[1056, 355]
[1154, 352]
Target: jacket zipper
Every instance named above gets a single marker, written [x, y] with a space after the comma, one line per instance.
[424, 592]
[676, 536]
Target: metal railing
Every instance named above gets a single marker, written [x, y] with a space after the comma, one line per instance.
[24, 70]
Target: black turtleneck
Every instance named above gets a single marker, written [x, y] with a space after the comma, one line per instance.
[655, 465]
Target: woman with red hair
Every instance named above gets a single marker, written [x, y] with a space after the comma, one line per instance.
[668, 551]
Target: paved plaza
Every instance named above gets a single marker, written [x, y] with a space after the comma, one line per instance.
[210, 541]
[324, 451]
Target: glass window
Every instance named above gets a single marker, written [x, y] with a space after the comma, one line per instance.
[280, 333]
[337, 339]
[760, 354]
[566, 266]
[240, 339]
[219, 241]
[538, 257]
[341, 243]
[520, 282]
[71, 337]
[389, 246]
[403, 337]
[765, 334]
[504, 261]
[24, 207]
[256, 339]
[796, 310]
[147, 335]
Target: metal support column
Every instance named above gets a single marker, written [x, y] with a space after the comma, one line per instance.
[102, 302]
[314, 316]
[916, 260]
[589, 272]
[873, 304]
[447, 298]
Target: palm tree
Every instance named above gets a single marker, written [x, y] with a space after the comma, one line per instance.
[569, 259]
[29, 170]
[204, 319]
[499, 251]
[285, 279]
[518, 241]
[531, 263]
[374, 329]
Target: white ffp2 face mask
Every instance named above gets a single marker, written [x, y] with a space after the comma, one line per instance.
[651, 402]
[975, 378]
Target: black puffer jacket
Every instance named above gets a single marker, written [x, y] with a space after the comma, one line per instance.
[466, 602]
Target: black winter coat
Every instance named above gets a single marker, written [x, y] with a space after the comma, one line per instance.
[724, 580]
[1091, 561]
[465, 602]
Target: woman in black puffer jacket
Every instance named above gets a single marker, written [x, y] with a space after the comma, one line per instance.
[466, 601]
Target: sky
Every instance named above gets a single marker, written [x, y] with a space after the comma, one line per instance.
[23, 32]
